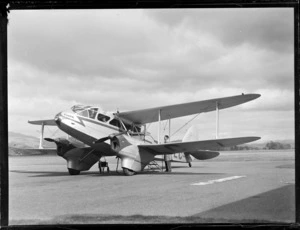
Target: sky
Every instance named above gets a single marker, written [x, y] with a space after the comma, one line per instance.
[135, 59]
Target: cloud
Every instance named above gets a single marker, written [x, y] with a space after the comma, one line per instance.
[139, 48]
[135, 59]
[266, 28]
[78, 42]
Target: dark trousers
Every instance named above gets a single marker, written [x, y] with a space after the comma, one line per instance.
[168, 166]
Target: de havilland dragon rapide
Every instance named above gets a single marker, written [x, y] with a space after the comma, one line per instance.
[96, 134]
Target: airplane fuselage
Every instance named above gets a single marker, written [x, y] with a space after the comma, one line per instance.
[88, 127]
[92, 124]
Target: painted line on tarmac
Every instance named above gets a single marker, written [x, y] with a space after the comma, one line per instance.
[218, 180]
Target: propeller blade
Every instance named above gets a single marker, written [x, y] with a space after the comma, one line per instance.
[49, 139]
[101, 140]
[111, 136]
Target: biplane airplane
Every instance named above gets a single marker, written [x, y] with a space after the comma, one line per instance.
[124, 135]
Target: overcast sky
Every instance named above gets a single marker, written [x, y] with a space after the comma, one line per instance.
[135, 59]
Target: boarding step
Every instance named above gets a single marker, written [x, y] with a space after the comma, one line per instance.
[153, 165]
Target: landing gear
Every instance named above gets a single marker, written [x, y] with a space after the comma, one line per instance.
[190, 164]
[102, 165]
[128, 172]
[73, 171]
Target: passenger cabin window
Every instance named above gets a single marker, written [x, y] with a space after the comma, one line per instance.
[93, 112]
[137, 129]
[115, 122]
[118, 124]
[128, 127]
[102, 117]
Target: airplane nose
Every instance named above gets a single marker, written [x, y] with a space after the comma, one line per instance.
[57, 119]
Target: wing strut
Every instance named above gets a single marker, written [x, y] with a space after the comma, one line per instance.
[217, 119]
[42, 136]
[158, 135]
[169, 130]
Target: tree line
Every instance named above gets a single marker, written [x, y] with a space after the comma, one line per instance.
[277, 145]
[269, 145]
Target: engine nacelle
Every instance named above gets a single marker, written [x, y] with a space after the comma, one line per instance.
[62, 145]
[132, 157]
[78, 159]
[203, 155]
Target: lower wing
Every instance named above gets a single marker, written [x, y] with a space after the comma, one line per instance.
[171, 148]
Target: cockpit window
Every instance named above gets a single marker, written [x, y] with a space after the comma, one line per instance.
[102, 117]
[83, 113]
[79, 108]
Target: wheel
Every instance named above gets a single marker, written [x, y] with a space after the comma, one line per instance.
[190, 164]
[73, 171]
[128, 172]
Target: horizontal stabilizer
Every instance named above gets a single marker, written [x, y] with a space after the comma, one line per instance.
[49, 122]
[204, 155]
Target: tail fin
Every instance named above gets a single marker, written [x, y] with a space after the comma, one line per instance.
[190, 135]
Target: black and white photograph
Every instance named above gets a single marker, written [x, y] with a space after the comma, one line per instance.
[151, 116]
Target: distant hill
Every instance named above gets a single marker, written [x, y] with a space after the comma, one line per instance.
[18, 140]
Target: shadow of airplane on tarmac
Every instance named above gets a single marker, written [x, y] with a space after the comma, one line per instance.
[105, 174]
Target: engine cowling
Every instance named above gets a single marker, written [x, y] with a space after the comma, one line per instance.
[133, 158]
[77, 157]
[203, 155]
[62, 145]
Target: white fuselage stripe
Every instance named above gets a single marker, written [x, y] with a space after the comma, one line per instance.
[218, 180]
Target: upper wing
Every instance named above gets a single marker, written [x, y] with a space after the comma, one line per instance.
[45, 122]
[170, 148]
[172, 111]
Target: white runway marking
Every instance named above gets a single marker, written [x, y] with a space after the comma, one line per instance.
[218, 180]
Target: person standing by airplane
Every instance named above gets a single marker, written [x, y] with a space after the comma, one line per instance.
[167, 157]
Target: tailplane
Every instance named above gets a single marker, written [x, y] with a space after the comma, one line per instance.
[192, 135]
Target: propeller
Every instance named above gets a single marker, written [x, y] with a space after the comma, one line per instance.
[49, 139]
[102, 139]
[58, 141]
[109, 137]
